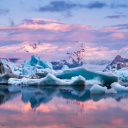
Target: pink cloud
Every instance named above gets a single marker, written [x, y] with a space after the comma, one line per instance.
[59, 37]
[108, 29]
[46, 25]
[118, 35]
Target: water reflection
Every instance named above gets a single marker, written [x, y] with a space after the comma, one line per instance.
[35, 107]
[5, 95]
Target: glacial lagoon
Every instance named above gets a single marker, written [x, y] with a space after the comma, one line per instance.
[65, 107]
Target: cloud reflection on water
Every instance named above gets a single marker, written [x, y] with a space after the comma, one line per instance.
[58, 107]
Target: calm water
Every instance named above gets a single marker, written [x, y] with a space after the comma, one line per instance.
[62, 107]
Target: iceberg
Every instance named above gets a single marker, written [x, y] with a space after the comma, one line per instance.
[98, 89]
[115, 87]
[36, 61]
[39, 75]
[49, 80]
[4, 68]
[106, 78]
[5, 77]
[10, 65]
[119, 88]
[6, 73]
[35, 65]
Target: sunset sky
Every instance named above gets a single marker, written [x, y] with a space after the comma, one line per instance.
[62, 26]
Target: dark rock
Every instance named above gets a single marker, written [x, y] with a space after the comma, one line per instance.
[6, 73]
[4, 68]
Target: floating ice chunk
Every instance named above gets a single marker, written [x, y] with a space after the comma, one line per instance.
[98, 89]
[116, 86]
[110, 91]
[106, 78]
[65, 67]
[48, 80]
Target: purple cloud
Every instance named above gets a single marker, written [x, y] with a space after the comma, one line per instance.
[115, 16]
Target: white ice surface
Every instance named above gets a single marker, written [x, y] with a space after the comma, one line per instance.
[119, 88]
[98, 89]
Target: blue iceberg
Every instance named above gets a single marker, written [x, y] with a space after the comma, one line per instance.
[106, 78]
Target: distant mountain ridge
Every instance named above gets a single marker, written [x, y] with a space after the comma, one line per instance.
[14, 60]
[117, 64]
[119, 60]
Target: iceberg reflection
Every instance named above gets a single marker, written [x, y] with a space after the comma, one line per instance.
[61, 107]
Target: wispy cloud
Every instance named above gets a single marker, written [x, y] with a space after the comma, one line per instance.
[115, 16]
[118, 5]
[97, 5]
[121, 26]
[59, 6]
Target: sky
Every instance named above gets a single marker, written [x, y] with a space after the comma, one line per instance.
[62, 26]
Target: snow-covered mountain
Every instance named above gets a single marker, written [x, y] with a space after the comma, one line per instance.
[72, 63]
[33, 46]
[119, 60]
[117, 63]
